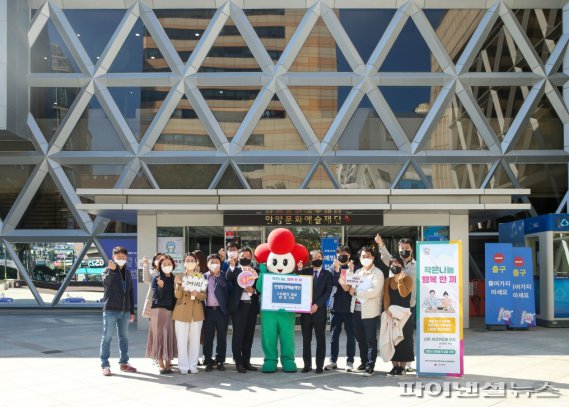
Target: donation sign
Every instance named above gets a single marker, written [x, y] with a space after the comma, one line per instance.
[439, 309]
[288, 292]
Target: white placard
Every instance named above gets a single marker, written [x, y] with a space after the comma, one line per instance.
[288, 292]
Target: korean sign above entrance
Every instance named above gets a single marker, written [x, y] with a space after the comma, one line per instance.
[303, 218]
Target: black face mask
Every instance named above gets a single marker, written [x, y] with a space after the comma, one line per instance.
[404, 253]
[343, 258]
[395, 269]
[317, 263]
[245, 261]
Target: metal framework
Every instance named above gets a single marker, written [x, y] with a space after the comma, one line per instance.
[364, 79]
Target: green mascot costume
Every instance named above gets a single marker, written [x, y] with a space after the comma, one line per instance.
[279, 255]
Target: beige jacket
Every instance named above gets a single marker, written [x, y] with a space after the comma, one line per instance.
[186, 309]
[370, 292]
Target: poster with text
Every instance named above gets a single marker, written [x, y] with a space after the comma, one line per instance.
[522, 288]
[498, 284]
[440, 349]
[287, 292]
[173, 246]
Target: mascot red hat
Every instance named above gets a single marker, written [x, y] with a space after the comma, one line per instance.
[280, 251]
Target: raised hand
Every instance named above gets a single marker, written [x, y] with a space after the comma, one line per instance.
[300, 265]
[379, 240]
[178, 280]
[112, 265]
[160, 282]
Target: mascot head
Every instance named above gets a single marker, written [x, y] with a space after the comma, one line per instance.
[281, 252]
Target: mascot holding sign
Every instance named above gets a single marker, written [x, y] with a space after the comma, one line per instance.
[279, 255]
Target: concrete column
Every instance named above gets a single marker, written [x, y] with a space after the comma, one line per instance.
[147, 244]
[458, 230]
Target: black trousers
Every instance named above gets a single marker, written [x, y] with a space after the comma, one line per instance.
[365, 331]
[244, 320]
[316, 322]
[215, 324]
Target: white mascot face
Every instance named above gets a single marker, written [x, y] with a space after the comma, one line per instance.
[281, 263]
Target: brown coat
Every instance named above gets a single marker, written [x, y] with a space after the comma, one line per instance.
[405, 287]
[186, 309]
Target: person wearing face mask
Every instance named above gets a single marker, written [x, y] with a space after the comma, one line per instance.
[366, 308]
[188, 318]
[316, 320]
[118, 310]
[161, 344]
[149, 271]
[341, 312]
[405, 246]
[243, 307]
[215, 323]
[397, 292]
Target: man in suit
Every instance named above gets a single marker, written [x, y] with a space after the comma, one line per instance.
[215, 314]
[316, 320]
[243, 307]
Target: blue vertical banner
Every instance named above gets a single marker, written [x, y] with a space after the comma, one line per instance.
[522, 288]
[130, 244]
[329, 246]
[499, 300]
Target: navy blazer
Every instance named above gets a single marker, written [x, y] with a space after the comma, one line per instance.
[221, 291]
[321, 287]
[237, 291]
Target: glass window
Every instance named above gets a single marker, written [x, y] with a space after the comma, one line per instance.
[49, 106]
[319, 52]
[320, 180]
[544, 130]
[410, 104]
[139, 53]
[320, 105]
[400, 59]
[94, 131]
[94, 28]
[50, 54]
[229, 180]
[455, 176]
[141, 181]
[13, 288]
[12, 180]
[275, 176]
[455, 130]
[543, 28]
[184, 27]
[86, 286]
[184, 176]
[93, 176]
[230, 105]
[275, 131]
[365, 131]
[230, 53]
[184, 131]
[412, 180]
[48, 209]
[548, 184]
[455, 30]
[365, 176]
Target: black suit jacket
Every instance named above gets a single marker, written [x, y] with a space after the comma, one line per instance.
[321, 287]
[237, 291]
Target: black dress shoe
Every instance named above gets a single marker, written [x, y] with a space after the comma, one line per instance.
[250, 367]
[319, 370]
[241, 369]
[208, 367]
[221, 366]
[306, 369]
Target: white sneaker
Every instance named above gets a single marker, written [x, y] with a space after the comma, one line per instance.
[331, 366]
[349, 367]
[194, 371]
[183, 372]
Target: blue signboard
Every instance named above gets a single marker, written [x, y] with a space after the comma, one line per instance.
[131, 246]
[499, 306]
[435, 233]
[329, 246]
[522, 288]
[556, 222]
[287, 293]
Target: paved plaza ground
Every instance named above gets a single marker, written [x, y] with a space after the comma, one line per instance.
[52, 360]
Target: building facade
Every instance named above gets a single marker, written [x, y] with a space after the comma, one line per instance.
[211, 95]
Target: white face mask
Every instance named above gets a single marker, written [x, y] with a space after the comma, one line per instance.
[190, 265]
[120, 263]
[167, 269]
[233, 255]
[213, 267]
[366, 262]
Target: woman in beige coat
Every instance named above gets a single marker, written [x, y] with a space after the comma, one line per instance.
[188, 318]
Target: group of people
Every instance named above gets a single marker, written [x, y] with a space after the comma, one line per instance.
[182, 318]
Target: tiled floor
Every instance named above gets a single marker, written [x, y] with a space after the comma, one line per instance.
[72, 377]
